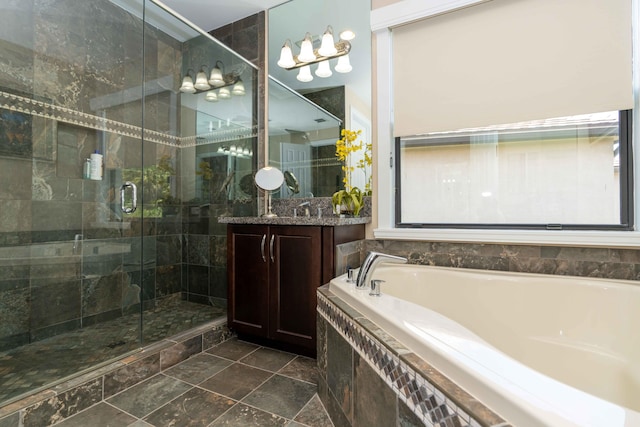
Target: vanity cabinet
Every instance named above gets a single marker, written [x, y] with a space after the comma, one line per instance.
[273, 272]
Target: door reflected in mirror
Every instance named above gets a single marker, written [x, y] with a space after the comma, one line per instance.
[302, 138]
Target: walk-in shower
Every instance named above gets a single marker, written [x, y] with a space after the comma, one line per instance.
[87, 274]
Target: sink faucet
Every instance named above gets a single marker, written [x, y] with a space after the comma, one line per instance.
[370, 262]
[306, 208]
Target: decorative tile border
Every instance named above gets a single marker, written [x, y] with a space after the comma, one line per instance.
[67, 115]
[426, 401]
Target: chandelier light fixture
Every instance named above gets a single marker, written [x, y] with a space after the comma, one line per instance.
[308, 56]
[216, 82]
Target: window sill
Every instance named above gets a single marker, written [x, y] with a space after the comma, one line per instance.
[610, 239]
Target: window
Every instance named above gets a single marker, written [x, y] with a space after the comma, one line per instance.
[563, 173]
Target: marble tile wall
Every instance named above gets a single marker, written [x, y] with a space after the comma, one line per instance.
[67, 67]
[285, 207]
[368, 378]
[612, 263]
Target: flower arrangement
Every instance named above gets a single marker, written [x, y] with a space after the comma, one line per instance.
[350, 199]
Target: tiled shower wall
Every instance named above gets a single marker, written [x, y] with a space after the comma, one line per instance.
[67, 260]
[73, 68]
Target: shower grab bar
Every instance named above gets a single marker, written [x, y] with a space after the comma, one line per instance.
[134, 197]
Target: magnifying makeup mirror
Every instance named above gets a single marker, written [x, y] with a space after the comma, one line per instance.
[268, 179]
[292, 183]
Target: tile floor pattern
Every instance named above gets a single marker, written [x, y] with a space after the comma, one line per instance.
[26, 368]
[232, 384]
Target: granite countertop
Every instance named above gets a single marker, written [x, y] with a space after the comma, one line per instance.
[300, 220]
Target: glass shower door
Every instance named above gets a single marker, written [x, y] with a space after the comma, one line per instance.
[70, 269]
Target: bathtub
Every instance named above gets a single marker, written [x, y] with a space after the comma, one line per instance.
[539, 350]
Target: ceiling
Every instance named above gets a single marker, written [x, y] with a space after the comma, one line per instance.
[212, 14]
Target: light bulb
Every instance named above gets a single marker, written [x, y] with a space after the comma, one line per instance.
[306, 50]
[304, 75]
[238, 88]
[286, 56]
[187, 85]
[323, 69]
[347, 35]
[327, 48]
[211, 97]
[201, 81]
[215, 78]
[343, 65]
[224, 93]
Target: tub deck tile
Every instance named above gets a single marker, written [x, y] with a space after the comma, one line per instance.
[430, 394]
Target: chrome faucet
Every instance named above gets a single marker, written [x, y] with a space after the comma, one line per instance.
[306, 208]
[370, 262]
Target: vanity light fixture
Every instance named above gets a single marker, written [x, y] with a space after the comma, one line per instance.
[242, 151]
[187, 84]
[324, 70]
[217, 80]
[304, 75]
[321, 56]
[202, 83]
[306, 50]
[286, 55]
[343, 65]
[238, 88]
[211, 96]
[328, 47]
[224, 93]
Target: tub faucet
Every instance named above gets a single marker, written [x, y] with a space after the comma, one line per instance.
[370, 262]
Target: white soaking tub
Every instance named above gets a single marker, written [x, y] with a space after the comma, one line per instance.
[536, 349]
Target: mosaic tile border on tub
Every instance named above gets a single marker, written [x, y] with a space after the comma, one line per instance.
[426, 401]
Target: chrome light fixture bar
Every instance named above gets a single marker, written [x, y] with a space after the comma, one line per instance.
[308, 55]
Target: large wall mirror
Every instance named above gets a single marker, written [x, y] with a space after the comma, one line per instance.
[218, 129]
[302, 134]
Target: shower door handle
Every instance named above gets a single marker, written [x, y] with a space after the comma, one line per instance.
[134, 197]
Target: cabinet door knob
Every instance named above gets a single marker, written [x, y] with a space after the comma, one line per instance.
[264, 240]
[273, 236]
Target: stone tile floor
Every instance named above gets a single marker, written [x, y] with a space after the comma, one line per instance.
[232, 384]
[35, 365]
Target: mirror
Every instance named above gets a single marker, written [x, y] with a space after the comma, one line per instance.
[292, 183]
[269, 179]
[302, 140]
[219, 130]
[346, 97]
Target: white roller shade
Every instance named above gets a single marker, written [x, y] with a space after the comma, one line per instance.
[508, 61]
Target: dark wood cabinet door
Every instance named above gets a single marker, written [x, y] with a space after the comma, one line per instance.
[248, 270]
[295, 272]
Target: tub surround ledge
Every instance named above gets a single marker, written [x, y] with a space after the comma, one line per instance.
[424, 395]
